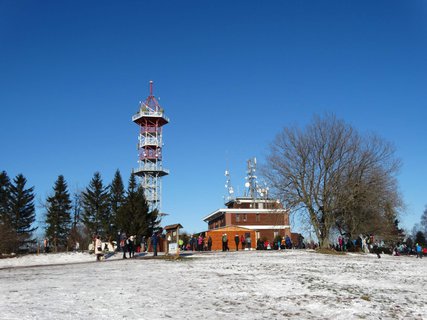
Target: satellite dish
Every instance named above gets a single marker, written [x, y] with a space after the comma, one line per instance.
[247, 184]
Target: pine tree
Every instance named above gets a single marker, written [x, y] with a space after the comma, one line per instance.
[96, 208]
[117, 197]
[420, 238]
[4, 198]
[58, 217]
[424, 222]
[154, 220]
[133, 214]
[22, 211]
[8, 238]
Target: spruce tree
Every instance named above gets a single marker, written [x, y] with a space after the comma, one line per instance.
[96, 208]
[420, 238]
[154, 220]
[424, 221]
[22, 211]
[117, 197]
[4, 198]
[133, 214]
[8, 238]
[58, 217]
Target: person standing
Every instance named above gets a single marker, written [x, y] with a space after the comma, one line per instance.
[131, 246]
[144, 244]
[242, 240]
[248, 242]
[118, 239]
[419, 250]
[98, 248]
[224, 240]
[340, 243]
[46, 245]
[209, 243]
[154, 242]
[200, 243]
[123, 244]
[377, 249]
[236, 241]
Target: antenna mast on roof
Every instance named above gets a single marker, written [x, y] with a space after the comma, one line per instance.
[253, 189]
[229, 187]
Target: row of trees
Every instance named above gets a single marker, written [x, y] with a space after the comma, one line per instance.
[100, 209]
[336, 180]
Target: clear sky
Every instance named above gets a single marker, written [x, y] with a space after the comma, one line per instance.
[230, 75]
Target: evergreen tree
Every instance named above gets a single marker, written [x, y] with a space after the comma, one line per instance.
[4, 198]
[22, 211]
[8, 238]
[58, 217]
[424, 221]
[154, 220]
[133, 215]
[75, 235]
[117, 197]
[420, 238]
[96, 208]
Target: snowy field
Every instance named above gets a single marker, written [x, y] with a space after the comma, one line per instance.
[234, 285]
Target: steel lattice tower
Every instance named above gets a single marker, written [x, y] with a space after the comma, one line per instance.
[151, 119]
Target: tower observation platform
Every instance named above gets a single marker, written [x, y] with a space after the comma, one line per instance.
[150, 118]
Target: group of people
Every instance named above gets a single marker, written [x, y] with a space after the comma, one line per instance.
[244, 242]
[128, 244]
[197, 243]
[364, 243]
[125, 244]
[280, 244]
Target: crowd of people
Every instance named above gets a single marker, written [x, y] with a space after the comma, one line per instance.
[128, 245]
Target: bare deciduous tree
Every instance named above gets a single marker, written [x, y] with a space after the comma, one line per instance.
[335, 177]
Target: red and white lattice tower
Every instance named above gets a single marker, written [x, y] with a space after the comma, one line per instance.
[150, 118]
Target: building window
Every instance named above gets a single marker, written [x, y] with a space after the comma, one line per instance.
[244, 217]
[257, 218]
[237, 218]
[276, 233]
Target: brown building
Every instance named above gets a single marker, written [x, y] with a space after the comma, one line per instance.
[257, 218]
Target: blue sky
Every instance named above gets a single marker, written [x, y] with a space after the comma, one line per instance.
[230, 75]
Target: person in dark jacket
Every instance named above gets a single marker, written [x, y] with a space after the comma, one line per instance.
[237, 240]
[154, 242]
[131, 246]
[123, 244]
[376, 249]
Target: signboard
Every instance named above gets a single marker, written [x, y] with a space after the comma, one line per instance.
[173, 248]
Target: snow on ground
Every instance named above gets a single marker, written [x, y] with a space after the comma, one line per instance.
[235, 285]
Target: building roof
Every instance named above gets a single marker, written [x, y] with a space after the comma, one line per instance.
[251, 200]
[173, 226]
